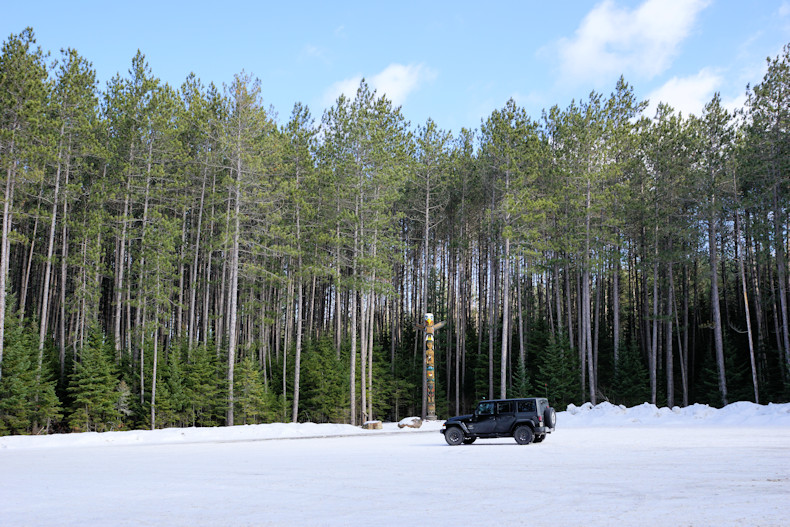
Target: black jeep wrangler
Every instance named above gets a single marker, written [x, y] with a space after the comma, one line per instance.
[526, 420]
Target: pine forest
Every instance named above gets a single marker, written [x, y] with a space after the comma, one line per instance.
[182, 256]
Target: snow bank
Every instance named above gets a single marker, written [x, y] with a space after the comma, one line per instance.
[736, 414]
[205, 435]
[586, 415]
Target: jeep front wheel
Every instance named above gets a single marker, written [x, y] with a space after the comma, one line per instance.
[454, 436]
[523, 435]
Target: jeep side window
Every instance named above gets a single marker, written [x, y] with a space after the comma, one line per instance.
[504, 407]
[526, 406]
[485, 409]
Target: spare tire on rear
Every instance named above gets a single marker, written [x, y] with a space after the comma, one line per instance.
[549, 417]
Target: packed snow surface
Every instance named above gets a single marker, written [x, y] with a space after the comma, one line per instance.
[603, 465]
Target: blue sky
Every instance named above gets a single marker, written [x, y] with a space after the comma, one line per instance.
[452, 61]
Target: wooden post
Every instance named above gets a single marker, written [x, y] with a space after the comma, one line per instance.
[430, 375]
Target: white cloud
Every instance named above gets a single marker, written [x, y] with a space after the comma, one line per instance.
[688, 95]
[614, 40]
[396, 82]
[346, 86]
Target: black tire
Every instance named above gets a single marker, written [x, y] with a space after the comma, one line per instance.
[549, 417]
[454, 436]
[469, 440]
[539, 438]
[523, 435]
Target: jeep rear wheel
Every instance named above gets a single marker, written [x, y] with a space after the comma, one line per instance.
[523, 435]
[454, 436]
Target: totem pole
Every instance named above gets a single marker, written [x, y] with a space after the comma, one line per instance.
[430, 376]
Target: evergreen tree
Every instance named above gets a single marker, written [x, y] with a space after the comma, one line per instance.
[24, 90]
[522, 387]
[559, 373]
[247, 142]
[28, 403]
[172, 398]
[714, 187]
[251, 397]
[205, 387]
[324, 384]
[299, 186]
[631, 381]
[93, 387]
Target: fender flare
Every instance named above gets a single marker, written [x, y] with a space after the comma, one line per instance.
[459, 424]
[527, 422]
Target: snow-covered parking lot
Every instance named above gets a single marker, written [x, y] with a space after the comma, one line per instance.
[603, 465]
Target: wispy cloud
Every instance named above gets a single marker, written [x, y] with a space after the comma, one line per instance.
[614, 40]
[315, 52]
[396, 82]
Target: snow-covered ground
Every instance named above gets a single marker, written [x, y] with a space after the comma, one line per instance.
[604, 465]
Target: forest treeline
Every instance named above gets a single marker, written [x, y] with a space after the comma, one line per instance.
[179, 257]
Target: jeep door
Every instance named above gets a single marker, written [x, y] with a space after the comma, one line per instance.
[505, 416]
[485, 419]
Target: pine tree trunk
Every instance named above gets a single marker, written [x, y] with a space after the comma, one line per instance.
[586, 330]
[353, 357]
[298, 352]
[558, 296]
[233, 294]
[179, 319]
[742, 271]
[586, 302]
[222, 314]
[670, 372]
[194, 271]
[42, 334]
[31, 253]
[616, 303]
[781, 275]
[338, 331]
[370, 349]
[653, 350]
[522, 353]
[505, 321]
[596, 326]
[684, 351]
[156, 349]
[754, 279]
[716, 309]
[492, 317]
[122, 259]
[6, 246]
[63, 280]
[569, 301]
